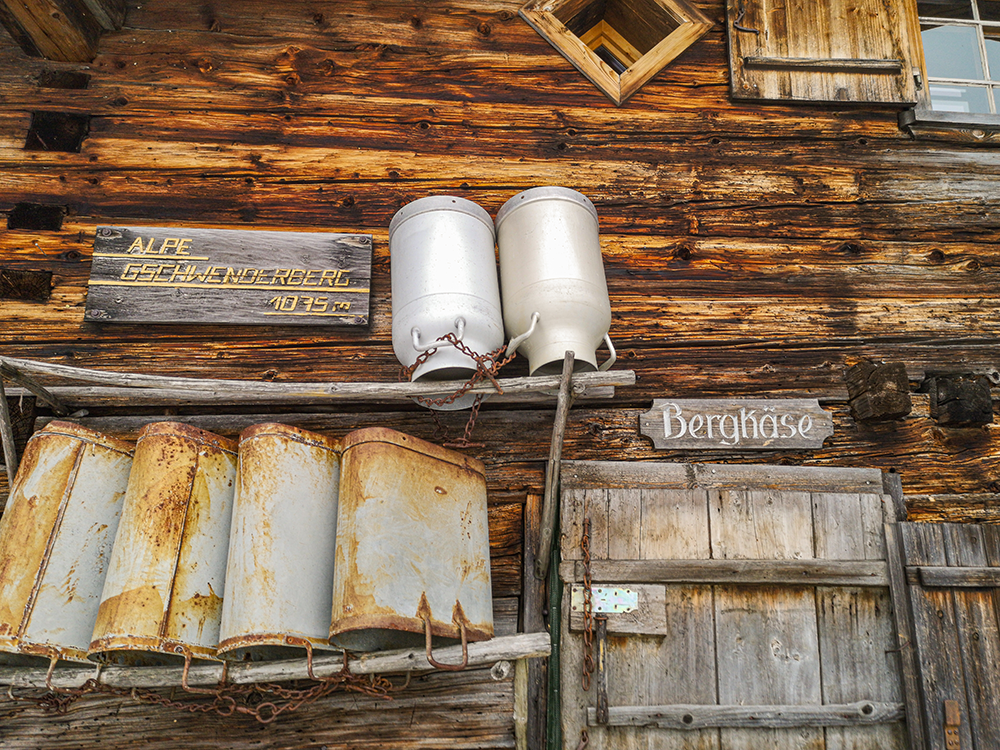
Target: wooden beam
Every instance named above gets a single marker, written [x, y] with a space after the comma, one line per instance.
[965, 577]
[142, 387]
[703, 717]
[63, 30]
[504, 648]
[742, 572]
[550, 503]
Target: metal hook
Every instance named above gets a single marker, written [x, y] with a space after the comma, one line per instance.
[179, 649]
[438, 343]
[518, 340]
[465, 647]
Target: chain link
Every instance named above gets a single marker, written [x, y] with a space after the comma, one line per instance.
[588, 610]
[229, 698]
[487, 368]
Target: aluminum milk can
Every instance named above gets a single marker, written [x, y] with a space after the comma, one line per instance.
[279, 578]
[555, 295]
[444, 280]
[412, 545]
[162, 598]
[55, 541]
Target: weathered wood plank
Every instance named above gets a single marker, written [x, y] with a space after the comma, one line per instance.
[693, 717]
[978, 634]
[936, 629]
[733, 572]
[455, 709]
[957, 577]
[767, 638]
[855, 625]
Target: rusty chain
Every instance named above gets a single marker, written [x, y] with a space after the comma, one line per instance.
[228, 698]
[487, 368]
[588, 609]
[588, 619]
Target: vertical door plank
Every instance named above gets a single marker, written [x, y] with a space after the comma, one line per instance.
[624, 508]
[938, 650]
[592, 504]
[978, 637]
[766, 637]
[855, 624]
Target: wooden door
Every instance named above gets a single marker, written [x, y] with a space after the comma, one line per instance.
[946, 586]
[759, 609]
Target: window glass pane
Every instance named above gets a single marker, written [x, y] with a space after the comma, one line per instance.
[993, 57]
[952, 52]
[989, 10]
[945, 8]
[945, 98]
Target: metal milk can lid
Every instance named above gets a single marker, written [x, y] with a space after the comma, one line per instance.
[439, 203]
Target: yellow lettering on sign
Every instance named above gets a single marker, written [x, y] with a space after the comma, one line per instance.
[295, 277]
[231, 276]
[212, 275]
[136, 246]
[160, 269]
[183, 247]
[146, 272]
[130, 272]
[252, 273]
[309, 274]
[187, 274]
[329, 277]
[170, 243]
[280, 275]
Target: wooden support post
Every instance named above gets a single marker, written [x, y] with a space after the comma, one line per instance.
[551, 501]
[961, 400]
[32, 385]
[601, 645]
[878, 391]
[533, 604]
[7, 436]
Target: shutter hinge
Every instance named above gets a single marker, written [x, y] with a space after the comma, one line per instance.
[952, 721]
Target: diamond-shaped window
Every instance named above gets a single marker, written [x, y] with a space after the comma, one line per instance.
[617, 44]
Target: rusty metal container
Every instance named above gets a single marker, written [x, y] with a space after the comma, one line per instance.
[55, 541]
[412, 545]
[279, 578]
[162, 599]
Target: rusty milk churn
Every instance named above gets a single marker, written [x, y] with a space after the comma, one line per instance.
[163, 595]
[555, 295]
[444, 281]
[412, 545]
[279, 578]
[55, 541]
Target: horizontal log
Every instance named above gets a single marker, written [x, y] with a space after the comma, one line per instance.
[689, 717]
[504, 648]
[235, 391]
[954, 577]
[731, 572]
[629, 475]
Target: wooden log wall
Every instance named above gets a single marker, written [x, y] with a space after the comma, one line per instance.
[750, 250]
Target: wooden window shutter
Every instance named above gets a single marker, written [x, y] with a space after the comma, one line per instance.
[822, 50]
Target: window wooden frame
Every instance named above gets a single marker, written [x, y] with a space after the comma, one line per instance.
[669, 28]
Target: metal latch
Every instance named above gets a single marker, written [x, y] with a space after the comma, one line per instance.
[606, 600]
[952, 721]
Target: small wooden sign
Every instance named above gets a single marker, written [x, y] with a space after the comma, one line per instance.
[174, 275]
[736, 424]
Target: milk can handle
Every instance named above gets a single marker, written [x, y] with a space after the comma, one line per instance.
[614, 355]
[518, 340]
[438, 344]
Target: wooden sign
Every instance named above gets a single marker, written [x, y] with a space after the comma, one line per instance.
[736, 424]
[174, 275]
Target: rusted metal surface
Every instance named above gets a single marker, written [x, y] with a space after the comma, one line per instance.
[163, 593]
[55, 541]
[279, 577]
[412, 544]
